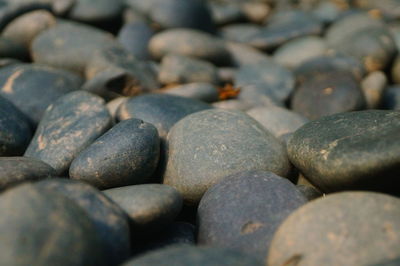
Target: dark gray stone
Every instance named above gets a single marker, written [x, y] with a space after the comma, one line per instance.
[109, 220]
[243, 211]
[149, 206]
[391, 98]
[127, 154]
[356, 150]
[68, 126]
[206, 146]
[96, 11]
[369, 223]
[16, 170]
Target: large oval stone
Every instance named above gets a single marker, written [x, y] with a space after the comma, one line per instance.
[66, 237]
[68, 126]
[243, 211]
[357, 150]
[127, 154]
[206, 146]
[364, 225]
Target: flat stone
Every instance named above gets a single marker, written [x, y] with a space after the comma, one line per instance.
[70, 45]
[242, 54]
[16, 170]
[328, 93]
[182, 69]
[109, 220]
[95, 11]
[239, 32]
[313, 234]
[182, 255]
[32, 88]
[206, 146]
[391, 98]
[28, 239]
[243, 211]
[202, 91]
[68, 126]
[189, 42]
[161, 110]
[15, 129]
[373, 87]
[127, 154]
[279, 121]
[135, 37]
[149, 206]
[356, 150]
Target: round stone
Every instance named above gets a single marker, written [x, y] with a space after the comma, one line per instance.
[149, 206]
[206, 146]
[127, 154]
[243, 211]
[328, 93]
[95, 11]
[315, 233]
[356, 150]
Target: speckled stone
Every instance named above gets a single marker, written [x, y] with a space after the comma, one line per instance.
[182, 255]
[127, 154]
[69, 45]
[328, 93]
[16, 170]
[206, 146]
[189, 42]
[279, 121]
[356, 150]
[65, 237]
[391, 98]
[243, 211]
[299, 50]
[161, 110]
[32, 88]
[202, 91]
[310, 192]
[149, 206]
[109, 220]
[182, 69]
[68, 126]
[286, 25]
[373, 87]
[95, 11]
[277, 78]
[135, 38]
[15, 129]
[315, 233]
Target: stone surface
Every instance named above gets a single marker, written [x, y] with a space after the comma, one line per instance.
[328, 93]
[206, 146]
[259, 95]
[243, 211]
[161, 110]
[95, 11]
[202, 91]
[68, 126]
[127, 154]
[356, 150]
[32, 88]
[181, 255]
[182, 69]
[109, 220]
[239, 32]
[189, 42]
[149, 206]
[279, 121]
[242, 54]
[15, 129]
[373, 87]
[16, 170]
[66, 237]
[313, 235]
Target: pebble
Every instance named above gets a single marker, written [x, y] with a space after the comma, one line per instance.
[32, 87]
[226, 12]
[95, 11]
[373, 87]
[313, 235]
[15, 129]
[16, 170]
[355, 150]
[240, 32]
[161, 110]
[206, 146]
[202, 91]
[396, 70]
[127, 154]
[243, 211]
[180, 69]
[182, 255]
[149, 206]
[391, 98]
[242, 54]
[109, 220]
[28, 239]
[232, 104]
[259, 96]
[68, 126]
[327, 93]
